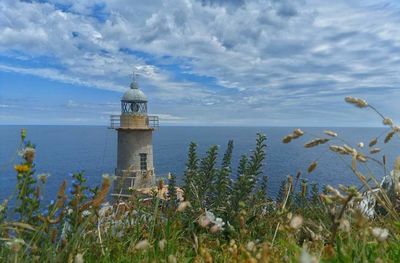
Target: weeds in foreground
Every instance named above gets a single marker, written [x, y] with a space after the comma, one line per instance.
[223, 217]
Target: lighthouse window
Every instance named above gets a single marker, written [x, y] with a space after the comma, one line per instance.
[143, 161]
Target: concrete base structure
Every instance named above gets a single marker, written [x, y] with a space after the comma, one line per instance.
[135, 167]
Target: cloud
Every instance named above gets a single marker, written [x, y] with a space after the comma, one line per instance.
[262, 61]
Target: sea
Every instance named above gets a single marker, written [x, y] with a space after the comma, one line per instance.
[62, 150]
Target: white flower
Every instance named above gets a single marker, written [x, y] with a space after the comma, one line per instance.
[296, 222]
[381, 234]
[210, 216]
[86, 213]
[219, 222]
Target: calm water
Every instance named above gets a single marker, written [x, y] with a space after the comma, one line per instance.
[65, 149]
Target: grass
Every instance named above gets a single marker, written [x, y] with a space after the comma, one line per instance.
[223, 217]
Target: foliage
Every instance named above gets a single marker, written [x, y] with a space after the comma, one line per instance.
[224, 218]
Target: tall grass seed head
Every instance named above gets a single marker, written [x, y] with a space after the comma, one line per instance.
[357, 102]
[389, 136]
[312, 167]
[287, 139]
[330, 133]
[297, 133]
[387, 122]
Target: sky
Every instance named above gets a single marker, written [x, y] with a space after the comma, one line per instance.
[200, 62]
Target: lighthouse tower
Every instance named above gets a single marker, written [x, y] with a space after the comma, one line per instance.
[135, 128]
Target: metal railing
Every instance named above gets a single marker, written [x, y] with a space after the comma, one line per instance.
[150, 122]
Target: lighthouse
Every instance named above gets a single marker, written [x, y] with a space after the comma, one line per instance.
[135, 168]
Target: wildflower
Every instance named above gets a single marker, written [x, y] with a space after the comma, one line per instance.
[43, 177]
[21, 168]
[387, 121]
[204, 221]
[142, 245]
[86, 213]
[296, 222]
[381, 234]
[330, 133]
[78, 258]
[182, 206]
[29, 154]
[162, 244]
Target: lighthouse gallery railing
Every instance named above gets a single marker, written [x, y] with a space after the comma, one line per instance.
[115, 122]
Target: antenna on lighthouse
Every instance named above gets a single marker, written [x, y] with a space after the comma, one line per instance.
[134, 84]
